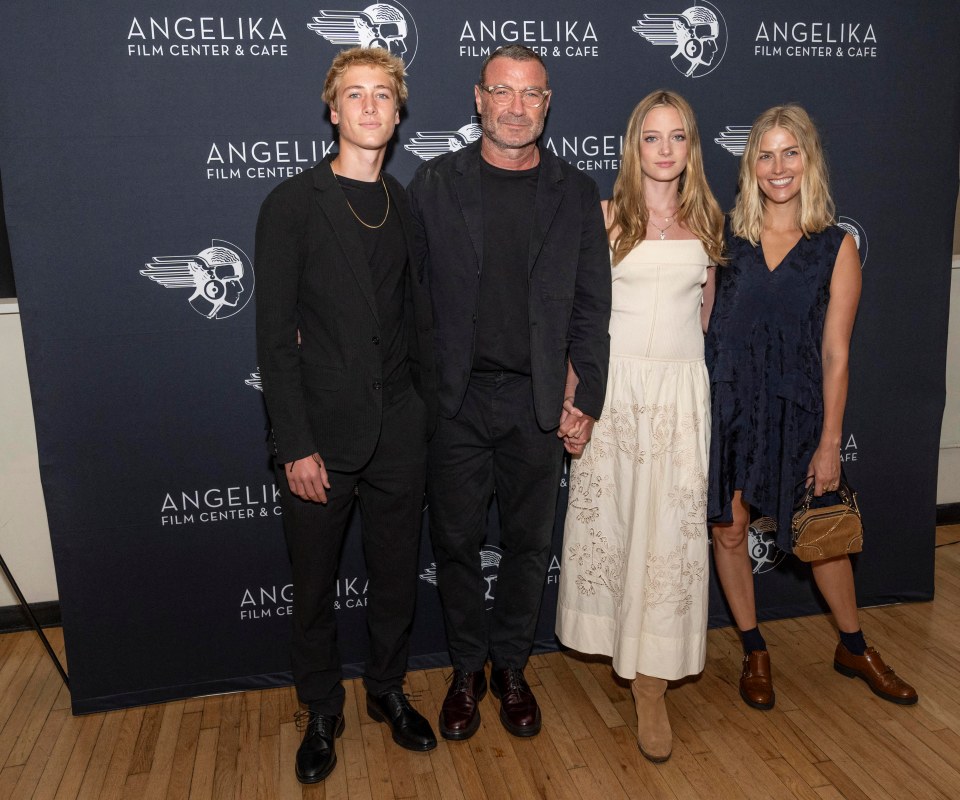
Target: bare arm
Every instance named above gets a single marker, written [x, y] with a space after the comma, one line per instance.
[709, 292]
[845, 286]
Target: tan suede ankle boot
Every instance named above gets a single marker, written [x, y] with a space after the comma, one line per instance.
[654, 737]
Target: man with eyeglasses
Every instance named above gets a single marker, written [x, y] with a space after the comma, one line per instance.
[513, 244]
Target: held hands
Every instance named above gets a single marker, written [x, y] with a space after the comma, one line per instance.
[575, 427]
[308, 479]
[824, 470]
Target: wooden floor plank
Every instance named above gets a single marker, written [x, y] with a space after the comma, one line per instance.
[69, 785]
[268, 774]
[287, 786]
[226, 780]
[9, 776]
[185, 752]
[56, 762]
[559, 718]
[33, 768]
[12, 724]
[248, 758]
[123, 751]
[205, 764]
[33, 724]
[96, 772]
[166, 747]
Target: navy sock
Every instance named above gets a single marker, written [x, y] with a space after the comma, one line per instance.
[753, 640]
[854, 642]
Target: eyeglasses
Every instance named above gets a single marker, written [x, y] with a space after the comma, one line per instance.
[530, 97]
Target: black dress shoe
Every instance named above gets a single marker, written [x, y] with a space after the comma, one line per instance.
[460, 712]
[317, 755]
[519, 712]
[409, 728]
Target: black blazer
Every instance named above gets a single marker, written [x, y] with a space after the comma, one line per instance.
[312, 277]
[569, 278]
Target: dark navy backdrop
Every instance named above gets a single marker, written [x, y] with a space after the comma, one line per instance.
[137, 140]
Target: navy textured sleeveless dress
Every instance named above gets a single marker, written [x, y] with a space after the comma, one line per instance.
[763, 352]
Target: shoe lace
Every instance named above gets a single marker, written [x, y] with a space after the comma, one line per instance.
[403, 698]
[515, 680]
[307, 719]
[460, 680]
[303, 718]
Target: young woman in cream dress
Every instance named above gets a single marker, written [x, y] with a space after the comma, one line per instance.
[633, 583]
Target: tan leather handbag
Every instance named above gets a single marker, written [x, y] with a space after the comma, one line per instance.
[820, 533]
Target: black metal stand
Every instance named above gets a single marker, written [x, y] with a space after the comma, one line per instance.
[33, 621]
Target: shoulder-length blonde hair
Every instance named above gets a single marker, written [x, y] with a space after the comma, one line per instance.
[816, 209]
[698, 209]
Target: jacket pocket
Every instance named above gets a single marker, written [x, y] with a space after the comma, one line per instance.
[323, 379]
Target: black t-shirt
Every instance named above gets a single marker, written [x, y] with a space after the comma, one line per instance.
[503, 333]
[386, 250]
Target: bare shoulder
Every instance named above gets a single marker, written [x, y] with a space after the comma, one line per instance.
[848, 256]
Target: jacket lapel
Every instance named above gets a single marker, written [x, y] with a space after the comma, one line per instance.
[399, 200]
[468, 193]
[549, 195]
[333, 203]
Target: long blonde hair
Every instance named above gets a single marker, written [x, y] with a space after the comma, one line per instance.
[698, 209]
[816, 209]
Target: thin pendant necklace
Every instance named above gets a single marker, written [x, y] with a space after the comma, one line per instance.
[387, 214]
[663, 231]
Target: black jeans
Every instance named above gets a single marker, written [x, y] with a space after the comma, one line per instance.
[390, 491]
[493, 443]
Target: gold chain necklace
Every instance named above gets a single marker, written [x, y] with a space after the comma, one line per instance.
[366, 225]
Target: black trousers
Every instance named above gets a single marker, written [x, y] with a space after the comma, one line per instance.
[390, 492]
[493, 443]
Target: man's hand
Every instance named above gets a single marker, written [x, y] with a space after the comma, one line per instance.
[308, 479]
[575, 428]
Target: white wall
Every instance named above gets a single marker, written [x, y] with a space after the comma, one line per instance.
[948, 477]
[24, 534]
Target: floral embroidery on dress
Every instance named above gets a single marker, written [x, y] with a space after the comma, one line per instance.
[673, 433]
[693, 499]
[670, 579]
[601, 562]
[585, 488]
[618, 429]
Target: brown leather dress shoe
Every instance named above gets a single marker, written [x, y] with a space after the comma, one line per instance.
[881, 679]
[519, 711]
[460, 712]
[756, 680]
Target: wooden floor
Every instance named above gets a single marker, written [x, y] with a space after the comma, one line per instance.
[828, 736]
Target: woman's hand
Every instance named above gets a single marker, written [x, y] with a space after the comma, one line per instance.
[824, 470]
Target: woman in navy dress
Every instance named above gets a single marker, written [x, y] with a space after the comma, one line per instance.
[777, 349]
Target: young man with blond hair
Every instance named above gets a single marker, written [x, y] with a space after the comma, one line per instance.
[344, 341]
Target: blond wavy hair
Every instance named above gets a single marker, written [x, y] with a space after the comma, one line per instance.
[698, 209]
[365, 57]
[816, 209]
